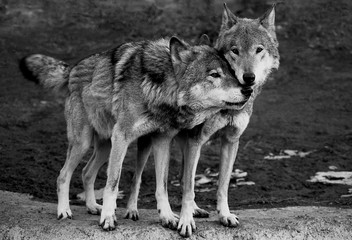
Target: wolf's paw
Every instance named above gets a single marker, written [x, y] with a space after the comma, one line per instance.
[108, 220]
[186, 226]
[64, 213]
[132, 214]
[94, 209]
[168, 219]
[200, 213]
[230, 220]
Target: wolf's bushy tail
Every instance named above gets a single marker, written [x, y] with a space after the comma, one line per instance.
[47, 71]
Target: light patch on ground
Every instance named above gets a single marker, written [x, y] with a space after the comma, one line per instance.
[286, 154]
[332, 177]
[99, 195]
[208, 181]
[349, 193]
[333, 168]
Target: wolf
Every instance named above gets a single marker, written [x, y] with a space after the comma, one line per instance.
[146, 89]
[250, 47]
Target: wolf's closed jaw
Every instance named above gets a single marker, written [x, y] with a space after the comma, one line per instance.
[235, 104]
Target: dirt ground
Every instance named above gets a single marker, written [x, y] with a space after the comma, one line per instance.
[305, 106]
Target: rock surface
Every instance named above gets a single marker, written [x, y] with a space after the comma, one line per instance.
[23, 218]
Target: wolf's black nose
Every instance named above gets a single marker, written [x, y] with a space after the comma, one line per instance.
[249, 78]
[247, 91]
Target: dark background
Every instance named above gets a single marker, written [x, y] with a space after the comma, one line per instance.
[305, 106]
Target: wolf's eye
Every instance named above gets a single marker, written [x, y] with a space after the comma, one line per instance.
[235, 51]
[215, 75]
[259, 49]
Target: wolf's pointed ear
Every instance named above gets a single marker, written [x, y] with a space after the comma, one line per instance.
[176, 47]
[228, 18]
[268, 20]
[204, 40]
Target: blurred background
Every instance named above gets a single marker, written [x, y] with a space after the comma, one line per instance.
[301, 123]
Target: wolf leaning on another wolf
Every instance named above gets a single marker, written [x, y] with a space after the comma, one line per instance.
[136, 89]
[251, 48]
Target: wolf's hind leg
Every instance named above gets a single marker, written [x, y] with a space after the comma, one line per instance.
[100, 156]
[76, 150]
[144, 146]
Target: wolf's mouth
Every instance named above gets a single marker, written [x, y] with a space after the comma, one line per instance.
[235, 104]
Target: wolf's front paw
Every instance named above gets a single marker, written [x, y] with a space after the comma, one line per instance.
[94, 209]
[108, 220]
[229, 220]
[168, 219]
[64, 213]
[132, 214]
[186, 225]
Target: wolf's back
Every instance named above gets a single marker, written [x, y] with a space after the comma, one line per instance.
[47, 71]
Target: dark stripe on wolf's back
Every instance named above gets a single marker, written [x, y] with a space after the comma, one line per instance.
[115, 55]
[143, 69]
[153, 76]
[127, 66]
[135, 46]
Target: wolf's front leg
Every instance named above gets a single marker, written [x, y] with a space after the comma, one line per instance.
[186, 224]
[119, 145]
[228, 155]
[181, 139]
[144, 146]
[161, 150]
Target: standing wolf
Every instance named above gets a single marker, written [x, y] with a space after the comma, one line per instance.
[115, 97]
[251, 48]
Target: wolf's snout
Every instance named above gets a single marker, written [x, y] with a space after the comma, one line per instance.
[249, 78]
[247, 91]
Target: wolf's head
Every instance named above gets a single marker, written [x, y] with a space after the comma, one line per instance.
[249, 45]
[205, 78]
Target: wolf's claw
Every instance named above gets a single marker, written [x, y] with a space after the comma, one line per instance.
[132, 214]
[108, 221]
[94, 210]
[200, 213]
[65, 214]
[186, 230]
[229, 220]
[168, 219]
